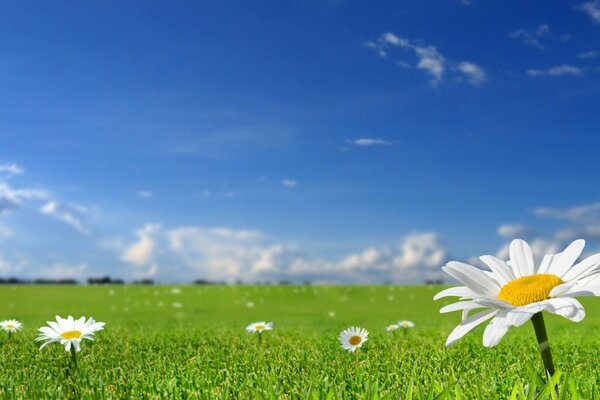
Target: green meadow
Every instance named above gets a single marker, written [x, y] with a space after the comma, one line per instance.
[189, 342]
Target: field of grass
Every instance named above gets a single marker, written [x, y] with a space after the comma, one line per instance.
[189, 342]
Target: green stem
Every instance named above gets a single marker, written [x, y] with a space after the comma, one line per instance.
[74, 357]
[259, 337]
[542, 338]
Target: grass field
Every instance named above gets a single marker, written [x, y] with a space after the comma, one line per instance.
[189, 342]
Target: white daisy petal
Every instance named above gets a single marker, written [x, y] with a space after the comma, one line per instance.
[518, 317]
[496, 329]
[521, 258]
[503, 272]
[583, 291]
[562, 289]
[472, 277]
[461, 305]
[583, 268]
[567, 258]
[458, 291]
[469, 324]
[567, 307]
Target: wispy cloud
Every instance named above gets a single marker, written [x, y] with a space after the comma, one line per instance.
[588, 55]
[429, 59]
[370, 142]
[592, 8]
[11, 199]
[289, 183]
[531, 37]
[474, 74]
[67, 214]
[559, 70]
[145, 193]
[12, 169]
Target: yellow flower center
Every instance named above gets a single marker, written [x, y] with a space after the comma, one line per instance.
[71, 335]
[529, 289]
[9, 326]
[355, 340]
[259, 327]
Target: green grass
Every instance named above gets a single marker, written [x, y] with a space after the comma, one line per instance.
[152, 350]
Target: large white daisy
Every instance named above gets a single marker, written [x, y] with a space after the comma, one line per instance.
[513, 292]
[353, 338]
[11, 325]
[69, 332]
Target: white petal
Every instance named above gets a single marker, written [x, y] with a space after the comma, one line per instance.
[567, 258]
[469, 324]
[546, 261]
[517, 317]
[521, 258]
[559, 290]
[583, 291]
[503, 272]
[457, 291]
[496, 330]
[474, 278]
[68, 345]
[567, 307]
[461, 305]
[583, 268]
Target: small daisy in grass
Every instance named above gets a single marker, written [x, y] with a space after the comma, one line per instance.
[517, 291]
[259, 327]
[391, 328]
[353, 338]
[405, 326]
[10, 326]
[69, 332]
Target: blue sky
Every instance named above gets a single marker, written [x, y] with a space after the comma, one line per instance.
[336, 141]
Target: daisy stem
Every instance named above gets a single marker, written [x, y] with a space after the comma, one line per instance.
[542, 338]
[259, 338]
[74, 357]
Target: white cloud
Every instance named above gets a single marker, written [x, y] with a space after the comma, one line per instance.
[11, 169]
[429, 59]
[370, 142]
[532, 37]
[62, 271]
[66, 214]
[592, 8]
[515, 231]
[556, 71]
[432, 62]
[474, 73]
[193, 252]
[145, 193]
[587, 213]
[142, 251]
[290, 183]
[588, 54]
[11, 199]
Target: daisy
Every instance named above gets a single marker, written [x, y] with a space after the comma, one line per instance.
[391, 328]
[11, 325]
[515, 291]
[353, 338]
[259, 327]
[406, 324]
[69, 332]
